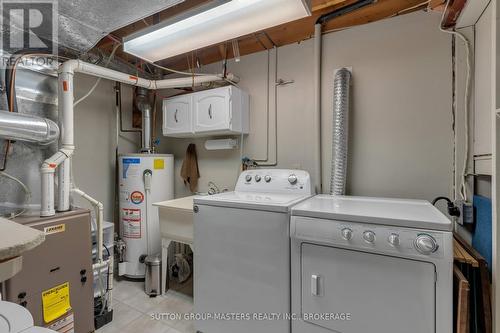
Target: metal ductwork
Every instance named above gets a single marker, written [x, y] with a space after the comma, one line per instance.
[144, 106]
[23, 127]
[341, 84]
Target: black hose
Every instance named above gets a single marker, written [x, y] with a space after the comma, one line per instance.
[452, 209]
[441, 198]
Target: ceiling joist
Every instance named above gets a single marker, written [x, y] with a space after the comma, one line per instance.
[284, 34]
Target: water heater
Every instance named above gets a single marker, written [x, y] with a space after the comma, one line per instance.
[143, 180]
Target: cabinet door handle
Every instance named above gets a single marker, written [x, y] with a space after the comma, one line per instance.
[175, 116]
[315, 285]
[210, 111]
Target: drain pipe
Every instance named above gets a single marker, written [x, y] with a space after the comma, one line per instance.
[100, 262]
[317, 106]
[62, 159]
[99, 211]
[341, 85]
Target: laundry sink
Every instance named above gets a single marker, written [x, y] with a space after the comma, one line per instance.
[176, 219]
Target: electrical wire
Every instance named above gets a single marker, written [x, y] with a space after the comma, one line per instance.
[178, 72]
[106, 299]
[103, 292]
[452, 209]
[463, 181]
[99, 79]
[24, 187]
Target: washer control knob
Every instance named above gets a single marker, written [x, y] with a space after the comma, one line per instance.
[426, 244]
[248, 178]
[292, 179]
[369, 236]
[347, 233]
[257, 178]
[267, 178]
[393, 239]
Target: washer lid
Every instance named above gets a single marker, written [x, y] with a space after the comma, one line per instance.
[417, 214]
[276, 202]
[14, 318]
[35, 329]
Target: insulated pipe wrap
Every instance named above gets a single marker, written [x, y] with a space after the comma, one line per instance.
[342, 81]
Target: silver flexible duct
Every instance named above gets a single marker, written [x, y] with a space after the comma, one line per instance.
[23, 127]
[341, 85]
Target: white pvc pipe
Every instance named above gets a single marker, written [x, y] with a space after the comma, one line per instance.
[317, 106]
[47, 170]
[110, 74]
[99, 210]
[47, 201]
[66, 122]
[64, 177]
[66, 141]
[100, 262]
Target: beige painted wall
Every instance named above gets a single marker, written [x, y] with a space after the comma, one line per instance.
[401, 142]
[401, 137]
[95, 137]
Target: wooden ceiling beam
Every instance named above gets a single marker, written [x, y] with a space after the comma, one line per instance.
[323, 4]
[437, 4]
[284, 34]
[384, 9]
[453, 12]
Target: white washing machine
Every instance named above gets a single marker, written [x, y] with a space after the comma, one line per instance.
[242, 253]
[371, 265]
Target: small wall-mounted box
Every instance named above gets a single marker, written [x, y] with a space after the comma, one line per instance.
[220, 111]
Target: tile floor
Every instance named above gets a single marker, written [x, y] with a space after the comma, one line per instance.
[133, 309]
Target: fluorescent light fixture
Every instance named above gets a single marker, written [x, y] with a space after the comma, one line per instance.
[212, 23]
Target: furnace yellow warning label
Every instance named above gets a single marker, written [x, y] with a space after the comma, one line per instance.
[54, 229]
[55, 302]
[159, 164]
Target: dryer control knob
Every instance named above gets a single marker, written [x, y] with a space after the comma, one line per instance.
[248, 178]
[257, 178]
[393, 239]
[426, 244]
[347, 233]
[267, 178]
[369, 236]
[292, 179]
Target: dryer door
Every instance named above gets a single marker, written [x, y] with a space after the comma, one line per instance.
[350, 291]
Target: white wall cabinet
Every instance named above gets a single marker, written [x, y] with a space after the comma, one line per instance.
[217, 111]
[177, 119]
